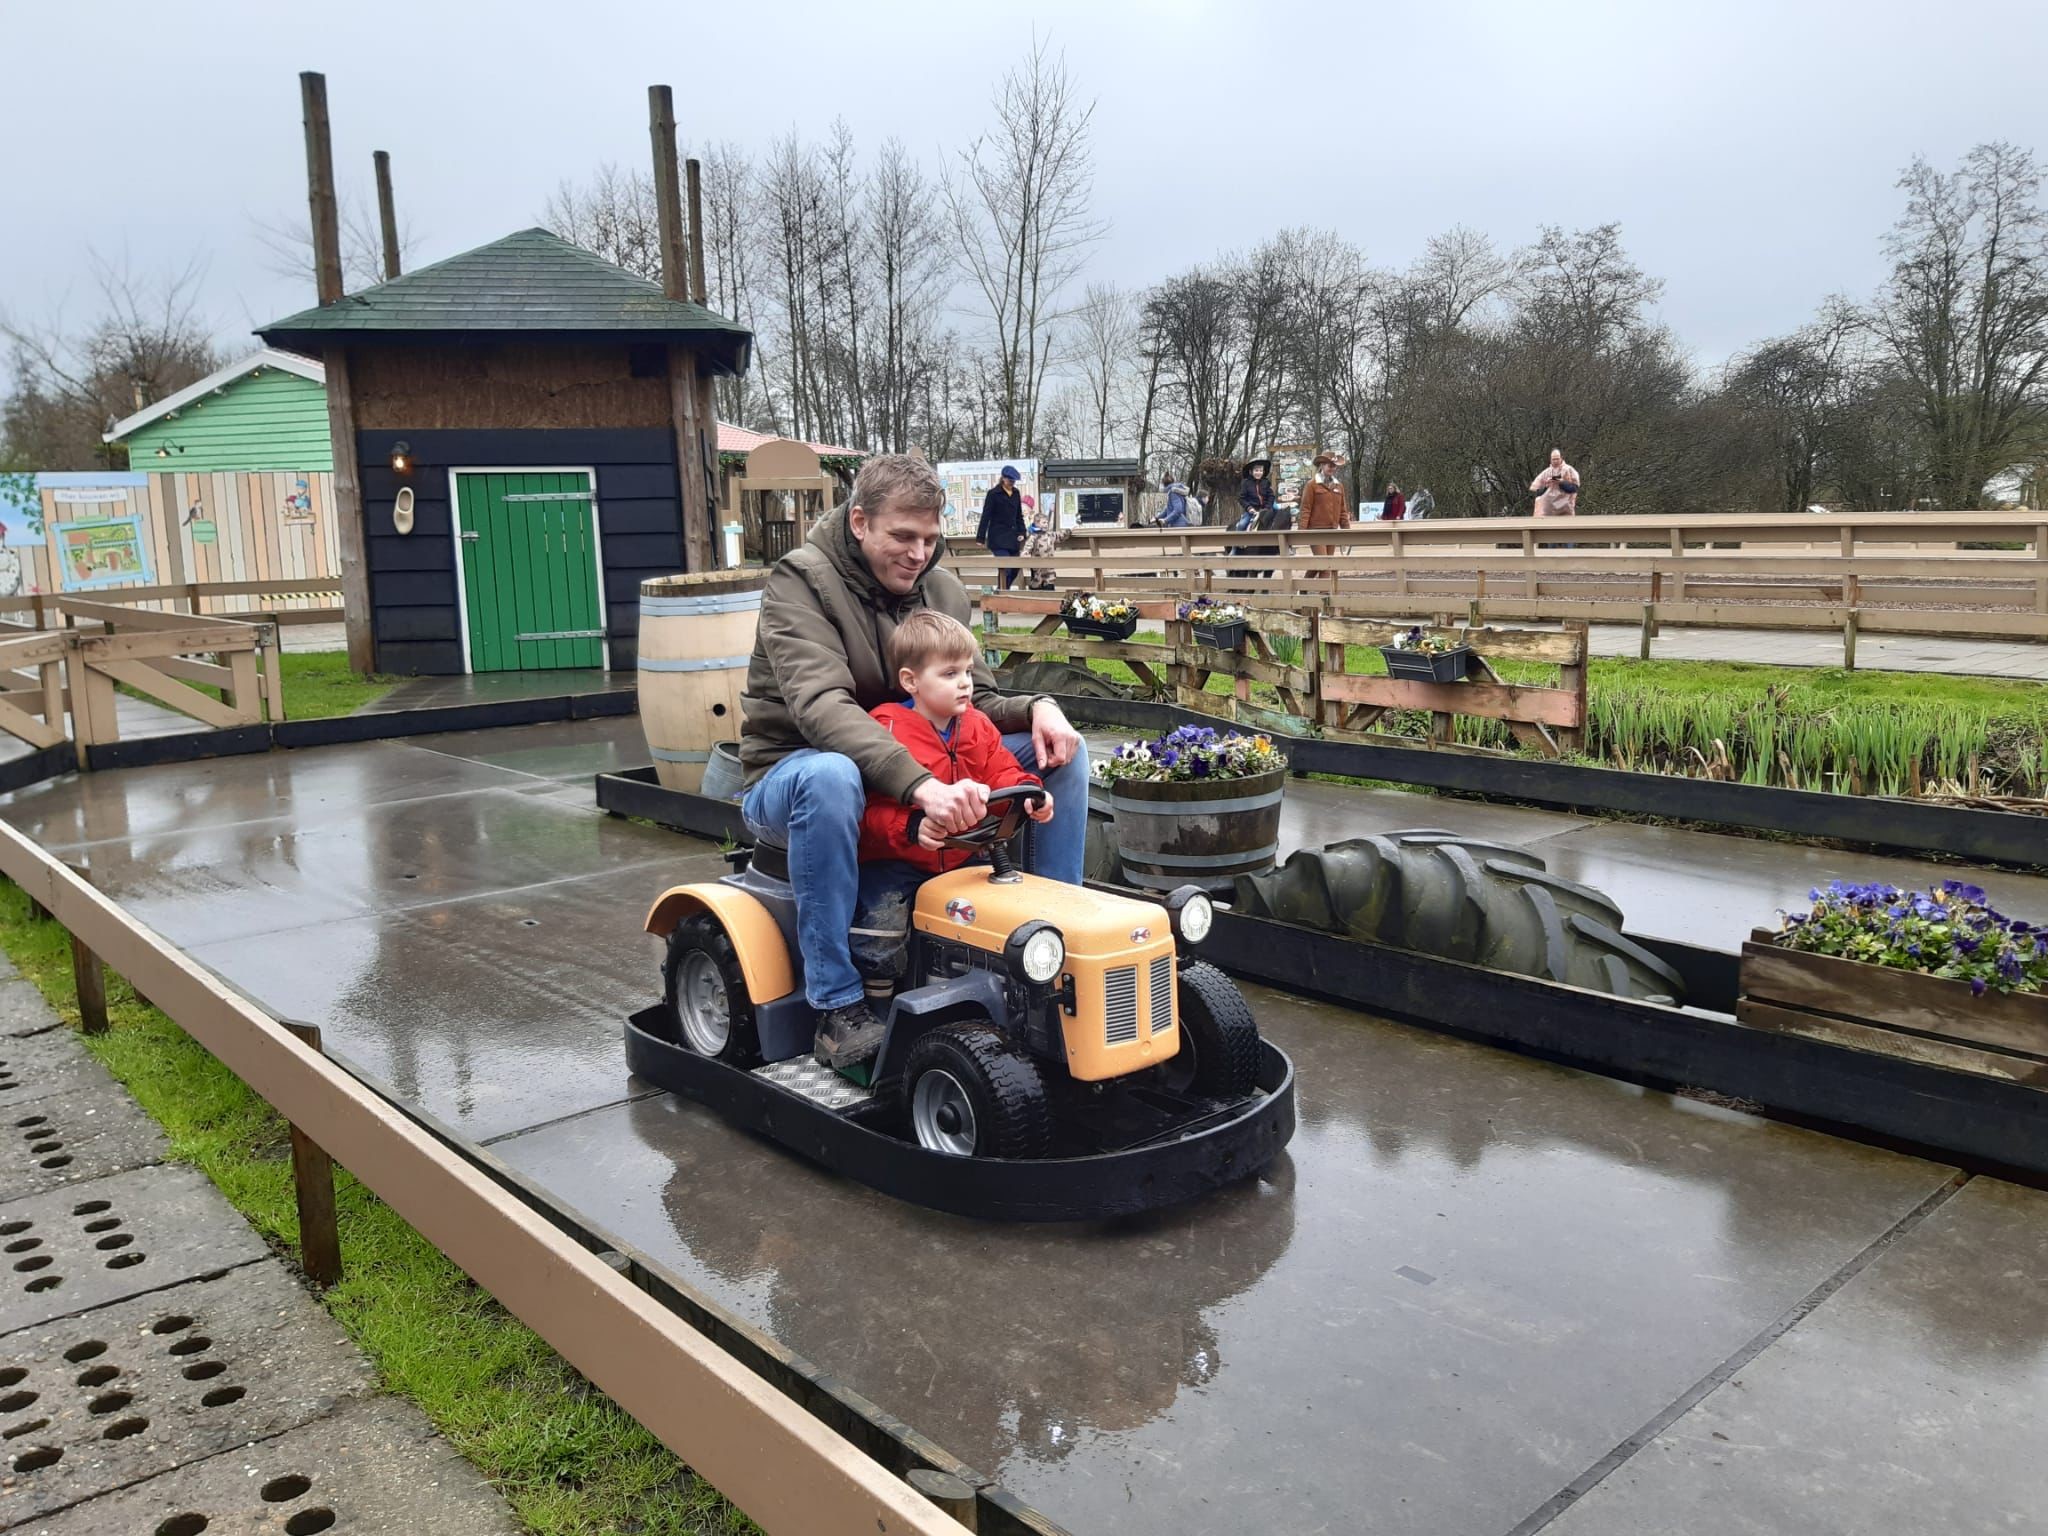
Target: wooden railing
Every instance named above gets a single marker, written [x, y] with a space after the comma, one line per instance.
[43, 609]
[1901, 572]
[76, 670]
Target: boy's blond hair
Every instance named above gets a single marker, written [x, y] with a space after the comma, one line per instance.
[925, 636]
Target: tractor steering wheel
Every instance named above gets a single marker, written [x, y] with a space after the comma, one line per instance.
[1005, 818]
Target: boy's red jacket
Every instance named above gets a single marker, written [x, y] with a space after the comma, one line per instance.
[974, 751]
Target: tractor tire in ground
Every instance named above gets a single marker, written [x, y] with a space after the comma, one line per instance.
[967, 1094]
[1219, 1040]
[1491, 904]
[706, 993]
[1061, 677]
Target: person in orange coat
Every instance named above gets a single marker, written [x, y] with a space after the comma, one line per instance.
[1323, 503]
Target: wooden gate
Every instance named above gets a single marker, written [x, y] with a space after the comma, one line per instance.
[527, 553]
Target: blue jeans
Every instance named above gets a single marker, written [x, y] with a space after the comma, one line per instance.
[811, 802]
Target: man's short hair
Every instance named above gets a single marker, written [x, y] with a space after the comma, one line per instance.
[927, 635]
[897, 482]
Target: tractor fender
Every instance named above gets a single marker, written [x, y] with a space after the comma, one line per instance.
[755, 935]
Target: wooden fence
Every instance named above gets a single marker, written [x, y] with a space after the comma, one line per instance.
[1913, 573]
[1320, 688]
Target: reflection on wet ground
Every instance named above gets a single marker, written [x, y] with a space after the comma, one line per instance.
[1470, 1279]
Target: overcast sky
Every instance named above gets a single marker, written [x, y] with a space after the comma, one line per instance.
[1748, 150]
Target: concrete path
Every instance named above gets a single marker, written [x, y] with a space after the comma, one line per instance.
[161, 1371]
[1808, 648]
[1481, 1294]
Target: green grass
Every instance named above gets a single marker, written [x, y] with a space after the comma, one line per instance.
[570, 1463]
[319, 685]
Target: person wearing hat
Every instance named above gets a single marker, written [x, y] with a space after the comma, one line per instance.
[1002, 520]
[1255, 495]
[1322, 501]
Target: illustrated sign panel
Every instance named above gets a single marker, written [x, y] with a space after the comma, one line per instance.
[21, 510]
[101, 552]
[967, 482]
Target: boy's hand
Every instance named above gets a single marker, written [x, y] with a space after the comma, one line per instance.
[930, 835]
[1042, 811]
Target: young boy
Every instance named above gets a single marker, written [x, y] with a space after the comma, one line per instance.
[933, 657]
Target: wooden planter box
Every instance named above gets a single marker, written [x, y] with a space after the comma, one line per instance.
[1923, 1018]
[1101, 629]
[1429, 666]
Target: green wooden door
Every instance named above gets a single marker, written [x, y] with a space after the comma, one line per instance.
[529, 571]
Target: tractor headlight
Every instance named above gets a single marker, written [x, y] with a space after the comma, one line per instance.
[1035, 952]
[1192, 912]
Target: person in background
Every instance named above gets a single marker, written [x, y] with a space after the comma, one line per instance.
[1176, 514]
[1002, 521]
[1556, 489]
[1042, 543]
[1397, 504]
[1255, 495]
[1422, 505]
[1323, 502]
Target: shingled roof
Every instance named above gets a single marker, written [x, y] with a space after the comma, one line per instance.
[531, 284]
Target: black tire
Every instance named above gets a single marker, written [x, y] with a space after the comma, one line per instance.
[1001, 1089]
[700, 955]
[1492, 904]
[1219, 1039]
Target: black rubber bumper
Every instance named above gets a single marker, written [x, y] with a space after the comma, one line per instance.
[1217, 1150]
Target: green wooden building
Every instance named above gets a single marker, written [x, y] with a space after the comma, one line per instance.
[267, 411]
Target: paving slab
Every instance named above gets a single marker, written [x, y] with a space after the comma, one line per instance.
[96, 1402]
[573, 751]
[371, 1468]
[491, 1014]
[1916, 1399]
[74, 1138]
[1710, 889]
[45, 1064]
[103, 1241]
[1470, 1276]
[23, 1009]
[499, 687]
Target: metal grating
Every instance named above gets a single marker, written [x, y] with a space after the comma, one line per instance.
[1120, 1005]
[1162, 994]
[820, 1084]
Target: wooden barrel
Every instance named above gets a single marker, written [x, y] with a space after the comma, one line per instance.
[1197, 832]
[696, 633]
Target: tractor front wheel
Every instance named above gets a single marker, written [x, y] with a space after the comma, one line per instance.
[970, 1095]
[707, 993]
[1219, 1040]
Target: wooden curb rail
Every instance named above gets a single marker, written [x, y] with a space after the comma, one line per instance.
[781, 1467]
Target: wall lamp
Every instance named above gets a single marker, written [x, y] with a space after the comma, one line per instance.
[401, 458]
[165, 450]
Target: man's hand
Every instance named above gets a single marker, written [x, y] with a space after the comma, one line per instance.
[1042, 810]
[1055, 741]
[950, 807]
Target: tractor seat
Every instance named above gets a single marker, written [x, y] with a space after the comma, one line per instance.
[771, 859]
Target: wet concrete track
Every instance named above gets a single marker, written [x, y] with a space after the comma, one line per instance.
[1476, 1288]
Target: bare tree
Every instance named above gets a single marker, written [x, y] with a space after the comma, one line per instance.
[1019, 204]
[902, 236]
[1794, 389]
[149, 340]
[1105, 341]
[1965, 316]
[287, 242]
[614, 216]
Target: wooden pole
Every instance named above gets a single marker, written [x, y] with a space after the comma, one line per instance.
[668, 196]
[696, 182]
[313, 1184]
[348, 513]
[320, 188]
[950, 1493]
[387, 213]
[89, 975]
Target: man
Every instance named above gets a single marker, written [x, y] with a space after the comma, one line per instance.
[1323, 503]
[1556, 488]
[1002, 520]
[812, 753]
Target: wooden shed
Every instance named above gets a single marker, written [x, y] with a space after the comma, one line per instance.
[538, 405]
[1092, 492]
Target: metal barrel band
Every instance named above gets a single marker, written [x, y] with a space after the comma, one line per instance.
[664, 755]
[703, 664]
[1200, 860]
[1184, 808]
[723, 602]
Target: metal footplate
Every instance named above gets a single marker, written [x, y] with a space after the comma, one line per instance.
[802, 1076]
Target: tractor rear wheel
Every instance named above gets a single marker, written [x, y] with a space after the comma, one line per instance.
[1219, 1040]
[706, 992]
[1491, 904]
[970, 1095]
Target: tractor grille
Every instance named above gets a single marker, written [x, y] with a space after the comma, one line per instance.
[1162, 994]
[1120, 1005]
